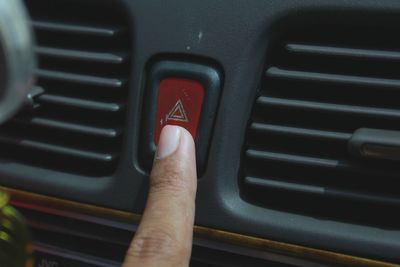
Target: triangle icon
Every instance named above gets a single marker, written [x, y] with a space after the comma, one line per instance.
[177, 113]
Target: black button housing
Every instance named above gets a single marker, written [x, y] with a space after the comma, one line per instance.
[209, 77]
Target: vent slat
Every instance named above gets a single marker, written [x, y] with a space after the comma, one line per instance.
[292, 159]
[318, 162]
[320, 191]
[60, 150]
[79, 103]
[294, 104]
[283, 186]
[76, 29]
[306, 76]
[70, 127]
[80, 79]
[344, 52]
[81, 55]
[296, 131]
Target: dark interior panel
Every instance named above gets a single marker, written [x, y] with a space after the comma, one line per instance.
[298, 79]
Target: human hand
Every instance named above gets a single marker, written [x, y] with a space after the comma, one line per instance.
[164, 236]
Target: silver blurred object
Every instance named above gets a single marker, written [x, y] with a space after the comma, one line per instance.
[17, 60]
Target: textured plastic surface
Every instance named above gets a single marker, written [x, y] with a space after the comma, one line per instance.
[236, 34]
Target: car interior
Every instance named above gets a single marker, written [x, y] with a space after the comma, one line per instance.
[292, 105]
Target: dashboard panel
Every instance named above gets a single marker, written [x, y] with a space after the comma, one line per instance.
[279, 186]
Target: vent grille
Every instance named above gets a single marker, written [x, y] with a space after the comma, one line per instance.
[54, 234]
[77, 120]
[320, 86]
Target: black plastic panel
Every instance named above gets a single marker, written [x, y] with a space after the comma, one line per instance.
[236, 34]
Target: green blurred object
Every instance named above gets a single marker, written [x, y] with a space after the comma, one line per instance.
[15, 241]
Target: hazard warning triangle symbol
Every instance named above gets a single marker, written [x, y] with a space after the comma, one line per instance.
[177, 113]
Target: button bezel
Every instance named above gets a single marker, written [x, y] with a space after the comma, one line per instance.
[209, 77]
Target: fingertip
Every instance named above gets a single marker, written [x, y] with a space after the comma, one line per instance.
[169, 141]
[175, 161]
[187, 143]
[174, 138]
[187, 152]
[185, 132]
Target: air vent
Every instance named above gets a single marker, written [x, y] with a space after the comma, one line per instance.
[56, 238]
[323, 82]
[76, 122]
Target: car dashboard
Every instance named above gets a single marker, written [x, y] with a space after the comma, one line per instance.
[296, 140]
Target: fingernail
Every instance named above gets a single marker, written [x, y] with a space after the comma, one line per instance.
[169, 141]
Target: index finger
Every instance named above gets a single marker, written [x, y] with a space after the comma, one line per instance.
[164, 236]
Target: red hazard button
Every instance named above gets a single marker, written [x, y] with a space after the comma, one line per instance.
[179, 103]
